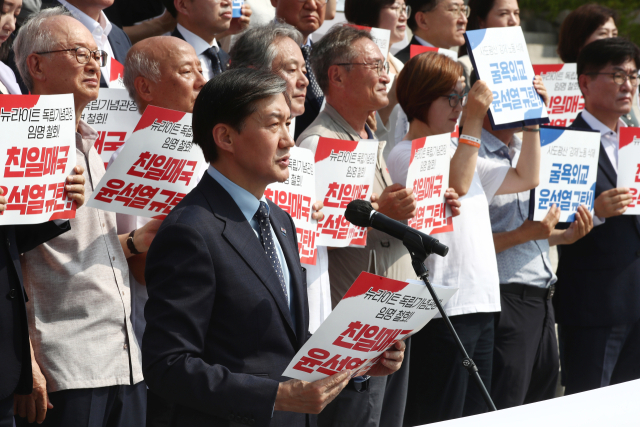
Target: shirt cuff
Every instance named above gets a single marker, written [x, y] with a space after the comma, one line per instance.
[598, 221]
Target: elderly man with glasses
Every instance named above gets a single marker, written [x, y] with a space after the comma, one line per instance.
[78, 283]
[352, 72]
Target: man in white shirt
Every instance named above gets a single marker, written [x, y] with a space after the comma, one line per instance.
[436, 23]
[199, 21]
[597, 298]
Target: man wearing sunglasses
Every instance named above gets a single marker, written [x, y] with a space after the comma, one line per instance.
[597, 301]
[436, 23]
[78, 283]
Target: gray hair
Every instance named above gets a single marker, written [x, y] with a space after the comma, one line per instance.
[256, 47]
[34, 36]
[139, 63]
[335, 47]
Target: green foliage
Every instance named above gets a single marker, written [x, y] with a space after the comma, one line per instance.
[627, 12]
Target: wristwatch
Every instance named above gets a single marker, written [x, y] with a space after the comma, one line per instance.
[130, 245]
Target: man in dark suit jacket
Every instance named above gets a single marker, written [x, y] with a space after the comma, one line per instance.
[597, 302]
[227, 308]
[199, 21]
[91, 15]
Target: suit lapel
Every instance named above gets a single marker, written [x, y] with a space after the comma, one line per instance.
[241, 236]
[177, 34]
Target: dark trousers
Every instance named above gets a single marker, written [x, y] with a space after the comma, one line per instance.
[439, 386]
[6, 411]
[381, 404]
[598, 357]
[114, 406]
[525, 355]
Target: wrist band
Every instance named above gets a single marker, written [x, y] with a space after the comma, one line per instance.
[469, 140]
[130, 245]
[525, 129]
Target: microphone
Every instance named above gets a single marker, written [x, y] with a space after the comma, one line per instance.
[362, 214]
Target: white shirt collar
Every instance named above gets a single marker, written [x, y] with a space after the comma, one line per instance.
[198, 44]
[97, 28]
[423, 42]
[596, 124]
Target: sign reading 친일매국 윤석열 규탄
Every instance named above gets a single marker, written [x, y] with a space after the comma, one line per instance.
[629, 166]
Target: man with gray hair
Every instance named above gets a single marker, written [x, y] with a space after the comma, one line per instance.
[352, 73]
[78, 287]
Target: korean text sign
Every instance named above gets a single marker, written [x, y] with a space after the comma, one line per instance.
[345, 171]
[373, 315]
[114, 116]
[568, 172]
[629, 166]
[38, 154]
[428, 176]
[501, 59]
[381, 37]
[157, 167]
[565, 98]
[296, 196]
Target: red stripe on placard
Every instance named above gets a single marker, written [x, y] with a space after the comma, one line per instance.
[117, 70]
[416, 144]
[547, 68]
[366, 281]
[444, 229]
[151, 113]
[70, 214]
[325, 145]
[627, 136]
[417, 49]
[18, 101]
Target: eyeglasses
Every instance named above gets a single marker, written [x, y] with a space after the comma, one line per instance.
[320, 3]
[457, 9]
[379, 65]
[620, 78]
[455, 99]
[84, 55]
[399, 9]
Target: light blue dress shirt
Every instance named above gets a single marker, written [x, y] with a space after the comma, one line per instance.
[249, 205]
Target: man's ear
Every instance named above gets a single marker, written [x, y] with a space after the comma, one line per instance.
[181, 6]
[421, 21]
[143, 89]
[223, 136]
[583, 83]
[35, 67]
[336, 75]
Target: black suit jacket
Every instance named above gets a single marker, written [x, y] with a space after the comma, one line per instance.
[224, 56]
[15, 356]
[219, 333]
[311, 110]
[405, 54]
[599, 275]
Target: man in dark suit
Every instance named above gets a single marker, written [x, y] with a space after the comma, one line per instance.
[199, 21]
[307, 17]
[436, 23]
[227, 308]
[597, 302]
[107, 36]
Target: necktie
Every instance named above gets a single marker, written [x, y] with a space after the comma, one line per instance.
[317, 95]
[212, 54]
[262, 216]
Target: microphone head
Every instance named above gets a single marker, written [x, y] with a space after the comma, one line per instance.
[359, 213]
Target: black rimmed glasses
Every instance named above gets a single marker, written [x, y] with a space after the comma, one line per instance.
[84, 55]
[455, 99]
[619, 77]
[399, 9]
[378, 65]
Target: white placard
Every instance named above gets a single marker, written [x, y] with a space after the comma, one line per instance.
[116, 75]
[428, 176]
[501, 59]
[565, 98]
[296, 196]
[345, 171]
[38, 154]
[568, 172]
[372, 316]
[114, 116]
[157, 167]
[629, 166]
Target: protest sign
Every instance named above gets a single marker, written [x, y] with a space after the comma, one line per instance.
[501, 59]
[568, 172]
[114, 116]
[381, 37]
[416, 49]
[116, 75]
[428, 176]
[372, 316]
[157, 167]
[236, 8]
[629, 166]
[565, 98]
[38, 154]
[345, 171]
[296, 196]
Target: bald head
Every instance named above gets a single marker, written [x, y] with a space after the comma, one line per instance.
[165, 72]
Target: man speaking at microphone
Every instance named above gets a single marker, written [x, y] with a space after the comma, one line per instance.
[227, 308]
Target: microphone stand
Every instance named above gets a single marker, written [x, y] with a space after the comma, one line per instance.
[413, 242]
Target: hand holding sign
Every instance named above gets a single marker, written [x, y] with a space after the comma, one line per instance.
[390, 361]
[541, 89]
[451, 198]
[318, 215]
[579, 228]
[75, 186]
[310, 398]
[396, 201]
[612, 202]
[478, 102]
